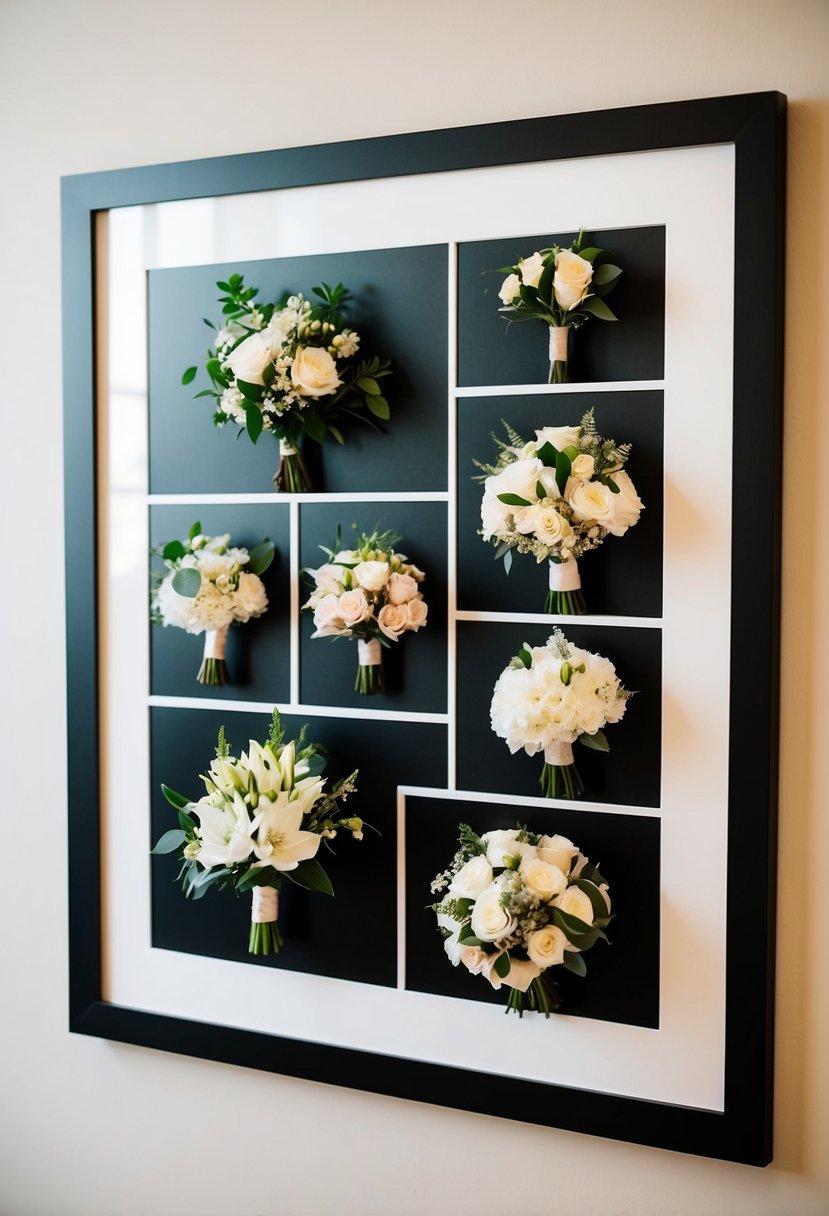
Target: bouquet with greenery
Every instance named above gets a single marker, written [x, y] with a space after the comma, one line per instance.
[557, 497]
[290, 368]
[550, 696]
[262, 819]
[518, 904]
[561, 287]
[207, 586]
[370, 593]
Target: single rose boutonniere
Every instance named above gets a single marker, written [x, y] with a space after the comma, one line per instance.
[551, 696]
[208, 585]
[262, 820]
[290, 368]
[517, 904]
[557, 497]
[561, 287]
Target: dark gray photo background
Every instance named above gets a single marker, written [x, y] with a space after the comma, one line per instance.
[624, 576]
[398, 306]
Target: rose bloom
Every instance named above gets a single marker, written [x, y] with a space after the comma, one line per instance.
[392, 621]
[471, 879]
[509, 288]
[353, 607]
[415, 612]
[401, 588]
[327, 618]
[250, 358]
[584, 466]
[557, 851]
[531, 269]
[552, 529]
[546, 946]
[572, 279]
[560, 437]
[543, 880]
[489, 920]
[313, 371]
[590, 500]
[575, 903]
[372, 576]
[626, 505]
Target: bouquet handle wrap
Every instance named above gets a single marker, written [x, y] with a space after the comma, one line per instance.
[559, 776]
[559, 336]
[565, 597]
[370, 670]
[264, 910]
[213, 668]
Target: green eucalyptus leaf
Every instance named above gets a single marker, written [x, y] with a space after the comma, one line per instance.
[187, 582]
[508, 561]
[195, 530]
[190, 375]
[169, 842]
[251, 392]
[575, 963]
[563, 467]
[261, 556]
[514, 500]
[590, 253]
[597, 308]
[547, 455]
[470, 940]
[224, 287]
[310, 874]
[185, 822]
[606, 273]
[596, 742]
[173, 550]
[545, 283]
[502, 965]
[379, 407]
[368, 385]
[176, 800]
[540, 489]
[597, 901]
[253, 421]
[525, 657]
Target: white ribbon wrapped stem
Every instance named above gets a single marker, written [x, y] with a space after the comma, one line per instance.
[564, 576]
[558, 343]
[215, 643]
[286, 448]
[265, 907]
[369, 653]
[560, 754]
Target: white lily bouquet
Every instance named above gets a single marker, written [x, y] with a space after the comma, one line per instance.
[517, 904]
[371, 593]
[551, 696]
[290, 368]
[208, 586]
[563, 288]
[557, 498]
[263, 819]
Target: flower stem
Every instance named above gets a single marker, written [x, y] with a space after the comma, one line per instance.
[264, 938]
[565, 603]
[558, 372]
[292, 476]
[560, 781]
[369, 679]
[212, 671]
[541, 996]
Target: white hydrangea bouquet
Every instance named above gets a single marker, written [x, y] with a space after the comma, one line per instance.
[263, 819]
[550, 696]
[517, 904]
[371, 593]
[290, 368]
[557, 498]
[209, 584]
[563, 288]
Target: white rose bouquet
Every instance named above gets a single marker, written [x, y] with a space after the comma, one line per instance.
[550, 696]
[370, 593]
[208, 585]
[557, 497]
[290, 368]
[517, 904]
[561, 287]
[262, 819]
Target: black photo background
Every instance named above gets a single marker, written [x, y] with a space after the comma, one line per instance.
[630, 773]
[351, 936]
[398, 306]
[414, 667]
[622, 981]
[631, 348]
[624, 576]
[257, 652]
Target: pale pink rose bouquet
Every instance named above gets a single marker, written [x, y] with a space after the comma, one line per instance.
[370, 593]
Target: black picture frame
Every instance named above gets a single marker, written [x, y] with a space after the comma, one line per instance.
[755, 125]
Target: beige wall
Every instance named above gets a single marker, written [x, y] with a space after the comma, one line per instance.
[92, 1128]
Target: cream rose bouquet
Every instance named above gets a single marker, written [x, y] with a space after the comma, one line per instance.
[370, 593]
[549, 697]
[557, 498]
[209, 585]
[290, 368]
[563, 288]
[517, 904]
[262, 820]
